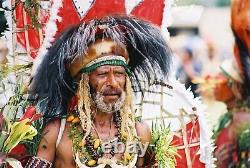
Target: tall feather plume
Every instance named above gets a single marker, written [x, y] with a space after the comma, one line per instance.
[149, 59]
[245, 63]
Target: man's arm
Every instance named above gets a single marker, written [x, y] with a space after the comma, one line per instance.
[144, 133]
[47, 147]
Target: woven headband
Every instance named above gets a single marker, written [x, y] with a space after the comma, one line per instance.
[115, 60]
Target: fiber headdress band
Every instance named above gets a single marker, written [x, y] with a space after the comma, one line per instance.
[106, 60]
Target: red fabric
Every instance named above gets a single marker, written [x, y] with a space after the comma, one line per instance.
[193, 136]
[223, 142]
[33, 34]
[151, 10]
[20, 153]
[18, 150]
[226, 142]
[73, 103]
[103, 8]
[31, 114]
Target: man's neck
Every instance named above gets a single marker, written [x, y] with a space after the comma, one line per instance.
[102, 118]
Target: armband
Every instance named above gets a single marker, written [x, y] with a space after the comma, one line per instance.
[36, 162]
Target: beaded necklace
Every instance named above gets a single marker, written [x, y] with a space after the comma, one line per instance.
[89, 149]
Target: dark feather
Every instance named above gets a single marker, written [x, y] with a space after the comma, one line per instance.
[149, 59]
[245, 62]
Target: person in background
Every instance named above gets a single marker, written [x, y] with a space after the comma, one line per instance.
[188, 70]
[211, 62]
[226, 132]
[236, 92]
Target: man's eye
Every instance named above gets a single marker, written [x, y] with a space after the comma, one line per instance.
[120, 73]
[102, 74]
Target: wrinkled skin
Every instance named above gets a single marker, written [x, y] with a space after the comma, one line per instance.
[109, 80]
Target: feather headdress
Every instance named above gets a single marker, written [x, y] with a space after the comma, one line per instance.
[149, 59]
[241, 30]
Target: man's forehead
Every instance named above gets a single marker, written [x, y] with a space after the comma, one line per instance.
[109, 67]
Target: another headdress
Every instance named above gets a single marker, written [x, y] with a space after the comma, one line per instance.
[148, 59]
[231, 70]
[241, 30]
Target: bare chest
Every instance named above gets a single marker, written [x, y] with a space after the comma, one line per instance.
[64, 152]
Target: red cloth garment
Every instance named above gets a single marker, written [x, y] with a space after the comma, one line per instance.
[150, 10]
[193, 137]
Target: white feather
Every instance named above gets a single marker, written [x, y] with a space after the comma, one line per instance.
[82, 7]
[167, 18]
[50, 32]
[173, 101]
[131, 4]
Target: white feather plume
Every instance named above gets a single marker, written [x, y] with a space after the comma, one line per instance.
[50, 31]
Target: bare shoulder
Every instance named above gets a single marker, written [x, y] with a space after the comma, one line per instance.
[51, 130]
[143, 131]
[47, 146]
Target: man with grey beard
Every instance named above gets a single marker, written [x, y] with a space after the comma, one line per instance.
[107, 85]
[108, 107]
[84, 88]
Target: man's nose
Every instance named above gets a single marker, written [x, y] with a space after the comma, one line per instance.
[111, 81]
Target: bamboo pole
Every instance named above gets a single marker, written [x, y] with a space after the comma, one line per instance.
[161, 104]
[185, 141]
[26, 35]
[14, 41]
[40, 29]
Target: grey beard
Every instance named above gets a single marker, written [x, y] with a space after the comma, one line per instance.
[108, 107]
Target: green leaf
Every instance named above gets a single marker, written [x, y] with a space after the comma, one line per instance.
[165, 152]
[20, 131]
[3, 137]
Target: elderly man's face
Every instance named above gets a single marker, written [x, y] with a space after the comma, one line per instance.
[107, 87]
